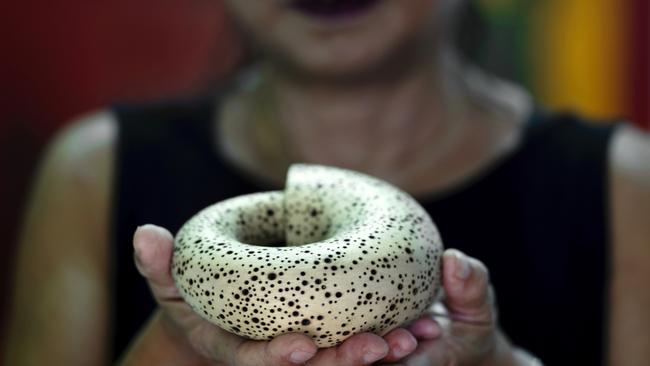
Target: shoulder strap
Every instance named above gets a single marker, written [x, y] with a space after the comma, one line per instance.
[567, 171]
[163, 151]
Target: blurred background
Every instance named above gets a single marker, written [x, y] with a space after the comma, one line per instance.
[65, 58]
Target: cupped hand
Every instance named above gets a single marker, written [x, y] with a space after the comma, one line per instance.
[461, 329]
[202, 340]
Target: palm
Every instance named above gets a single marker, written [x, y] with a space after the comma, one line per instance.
[153, 246]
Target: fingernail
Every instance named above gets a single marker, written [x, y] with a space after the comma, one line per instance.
[407, 345]
[371, 357]
[399, 352]
[137, 229]
[463, 268]
[300, 357]
[430, 331]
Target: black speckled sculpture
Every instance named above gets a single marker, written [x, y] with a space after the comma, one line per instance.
[337, 253]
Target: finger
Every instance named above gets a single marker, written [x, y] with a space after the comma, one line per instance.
[425, 328]
[287, 349]
[153, 248]
[466, 284]
[434, 352]
[401, 343]
[360, 349]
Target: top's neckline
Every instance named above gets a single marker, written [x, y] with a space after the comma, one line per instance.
[490, 170]
[210, 132]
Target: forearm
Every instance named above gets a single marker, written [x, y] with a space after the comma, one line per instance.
[505, 354]
[155, 345]
[523, 358]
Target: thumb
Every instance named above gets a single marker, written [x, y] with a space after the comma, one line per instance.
[466, 283]
[153, 246]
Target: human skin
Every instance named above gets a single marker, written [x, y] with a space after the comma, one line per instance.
[433, 126]
[469, 300]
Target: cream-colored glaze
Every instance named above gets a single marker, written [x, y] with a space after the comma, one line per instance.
[356, 254]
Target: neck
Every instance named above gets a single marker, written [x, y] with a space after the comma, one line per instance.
[381, 127]
[425, 130]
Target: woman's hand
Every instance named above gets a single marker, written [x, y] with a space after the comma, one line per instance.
[196, 341]
[462, 329]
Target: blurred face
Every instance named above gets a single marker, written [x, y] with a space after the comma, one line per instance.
[336, 37]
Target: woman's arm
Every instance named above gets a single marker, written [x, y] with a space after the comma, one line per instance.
[157, 344]
[629, 335]
[60, 297]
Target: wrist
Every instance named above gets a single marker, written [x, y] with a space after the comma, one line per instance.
[523, 358]
[505, 354]
[159, 343]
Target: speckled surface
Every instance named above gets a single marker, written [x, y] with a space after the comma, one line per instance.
[336, 253]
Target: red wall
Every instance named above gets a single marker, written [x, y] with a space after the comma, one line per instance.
[639, 65]
[71, 55]
[66, 57]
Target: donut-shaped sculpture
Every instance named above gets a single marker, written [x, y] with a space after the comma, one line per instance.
[334, 254]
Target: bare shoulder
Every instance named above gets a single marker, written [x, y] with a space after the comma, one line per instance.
[630, 194]
[60, 295]
[630, 213]
[69, 204]
[630, 188]
[76, 175]
[83, 149]
[630, 156]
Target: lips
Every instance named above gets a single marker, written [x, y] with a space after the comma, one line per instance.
[332, 8]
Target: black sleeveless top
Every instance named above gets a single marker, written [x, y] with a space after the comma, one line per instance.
[538, 219]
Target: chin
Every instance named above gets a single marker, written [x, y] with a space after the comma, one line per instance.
[350, 58]
[336, 38]
[338, 66]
